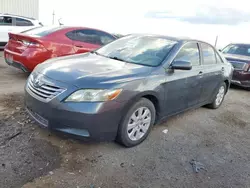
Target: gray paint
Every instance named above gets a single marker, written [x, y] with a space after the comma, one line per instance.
[175, 90]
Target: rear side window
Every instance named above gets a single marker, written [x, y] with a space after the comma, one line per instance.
[189, 52]
[6, 20]
[105, 37]
[218, 58]
[88, 36]
[91, 36]
[42, 31]
[208, 54]
[23, 22]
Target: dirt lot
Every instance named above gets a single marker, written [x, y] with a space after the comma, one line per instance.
[219, 139]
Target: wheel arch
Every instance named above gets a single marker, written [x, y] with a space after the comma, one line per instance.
[227, 84]
[151, 96]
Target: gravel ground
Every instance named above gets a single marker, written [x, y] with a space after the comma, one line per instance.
[217, 140]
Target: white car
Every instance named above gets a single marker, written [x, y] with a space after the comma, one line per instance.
[14, 24]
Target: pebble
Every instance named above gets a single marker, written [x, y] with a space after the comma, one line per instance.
[51, 173]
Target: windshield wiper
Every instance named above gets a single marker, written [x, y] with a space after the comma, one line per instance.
[95, 52]
[116, 58]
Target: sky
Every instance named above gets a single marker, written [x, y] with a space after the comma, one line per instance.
[198, 19]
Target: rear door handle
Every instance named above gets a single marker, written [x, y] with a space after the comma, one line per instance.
[79, 46]
[223, 69]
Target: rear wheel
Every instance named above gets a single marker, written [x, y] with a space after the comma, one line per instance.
[219, 97]
[137, 123]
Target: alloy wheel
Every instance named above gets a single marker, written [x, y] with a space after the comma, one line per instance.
[139, 123]
[220, 96]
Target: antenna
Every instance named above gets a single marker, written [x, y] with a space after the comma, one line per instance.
[53, 17]
[216, 40]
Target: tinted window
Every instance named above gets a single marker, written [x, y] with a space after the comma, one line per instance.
[42, 31]
[105, 38]
[208, 54]
[144, 50]
[190, 52]
[238, 49]
[23, 22]
[6, 20]
[88, 36]
[91, 36]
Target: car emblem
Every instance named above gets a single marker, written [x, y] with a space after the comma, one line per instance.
[38, 81]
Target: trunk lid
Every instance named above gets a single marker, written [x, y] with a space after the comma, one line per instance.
[18, 43]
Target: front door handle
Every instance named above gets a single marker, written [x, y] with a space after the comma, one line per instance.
[223, 69]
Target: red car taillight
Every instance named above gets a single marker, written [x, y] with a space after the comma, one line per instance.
[31, 44]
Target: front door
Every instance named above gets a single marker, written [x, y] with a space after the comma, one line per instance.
[183, 87]
[212, 73]
[85, 41]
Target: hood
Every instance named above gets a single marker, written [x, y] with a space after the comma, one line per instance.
[239, 58]
[91, 70]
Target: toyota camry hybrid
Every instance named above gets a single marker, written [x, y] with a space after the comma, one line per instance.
[121, 90]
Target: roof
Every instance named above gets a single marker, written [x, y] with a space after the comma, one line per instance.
[243, 44]
[6, 14]
[179, 39]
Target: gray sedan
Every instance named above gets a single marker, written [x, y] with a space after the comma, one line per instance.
[121, 90]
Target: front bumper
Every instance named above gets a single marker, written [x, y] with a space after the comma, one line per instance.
[241, 78]
[97, 121]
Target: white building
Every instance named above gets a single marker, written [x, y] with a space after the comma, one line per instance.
[28, 8]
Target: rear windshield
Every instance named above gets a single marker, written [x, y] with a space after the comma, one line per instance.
[237, 49]
[42, 31]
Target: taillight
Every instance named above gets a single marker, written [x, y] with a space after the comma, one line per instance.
[31, 44]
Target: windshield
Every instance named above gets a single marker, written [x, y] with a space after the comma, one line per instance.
[42, 31]
[144, 50]
[238, 49]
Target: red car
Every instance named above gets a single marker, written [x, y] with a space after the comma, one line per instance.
[27, 49]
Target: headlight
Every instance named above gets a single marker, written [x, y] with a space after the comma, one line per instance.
[93, 95]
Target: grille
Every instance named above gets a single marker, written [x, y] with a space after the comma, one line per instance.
[238, 65]
[45, 91]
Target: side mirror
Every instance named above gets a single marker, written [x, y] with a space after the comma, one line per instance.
[181, 65]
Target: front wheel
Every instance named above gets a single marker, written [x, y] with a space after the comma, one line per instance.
[137, 123]
[219, 97]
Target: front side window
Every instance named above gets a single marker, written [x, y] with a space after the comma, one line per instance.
[105, 38]
[88, 36]
[190, 53]
[23, 22]
[208, 54]
[6, 20]
[237, 49]
[144, 50]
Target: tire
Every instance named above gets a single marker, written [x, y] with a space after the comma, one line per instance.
[139, 133]
[216, 104]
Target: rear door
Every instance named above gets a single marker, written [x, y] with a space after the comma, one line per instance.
[22, 24]
[183, 87]
[212, 75]
[6, 26]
